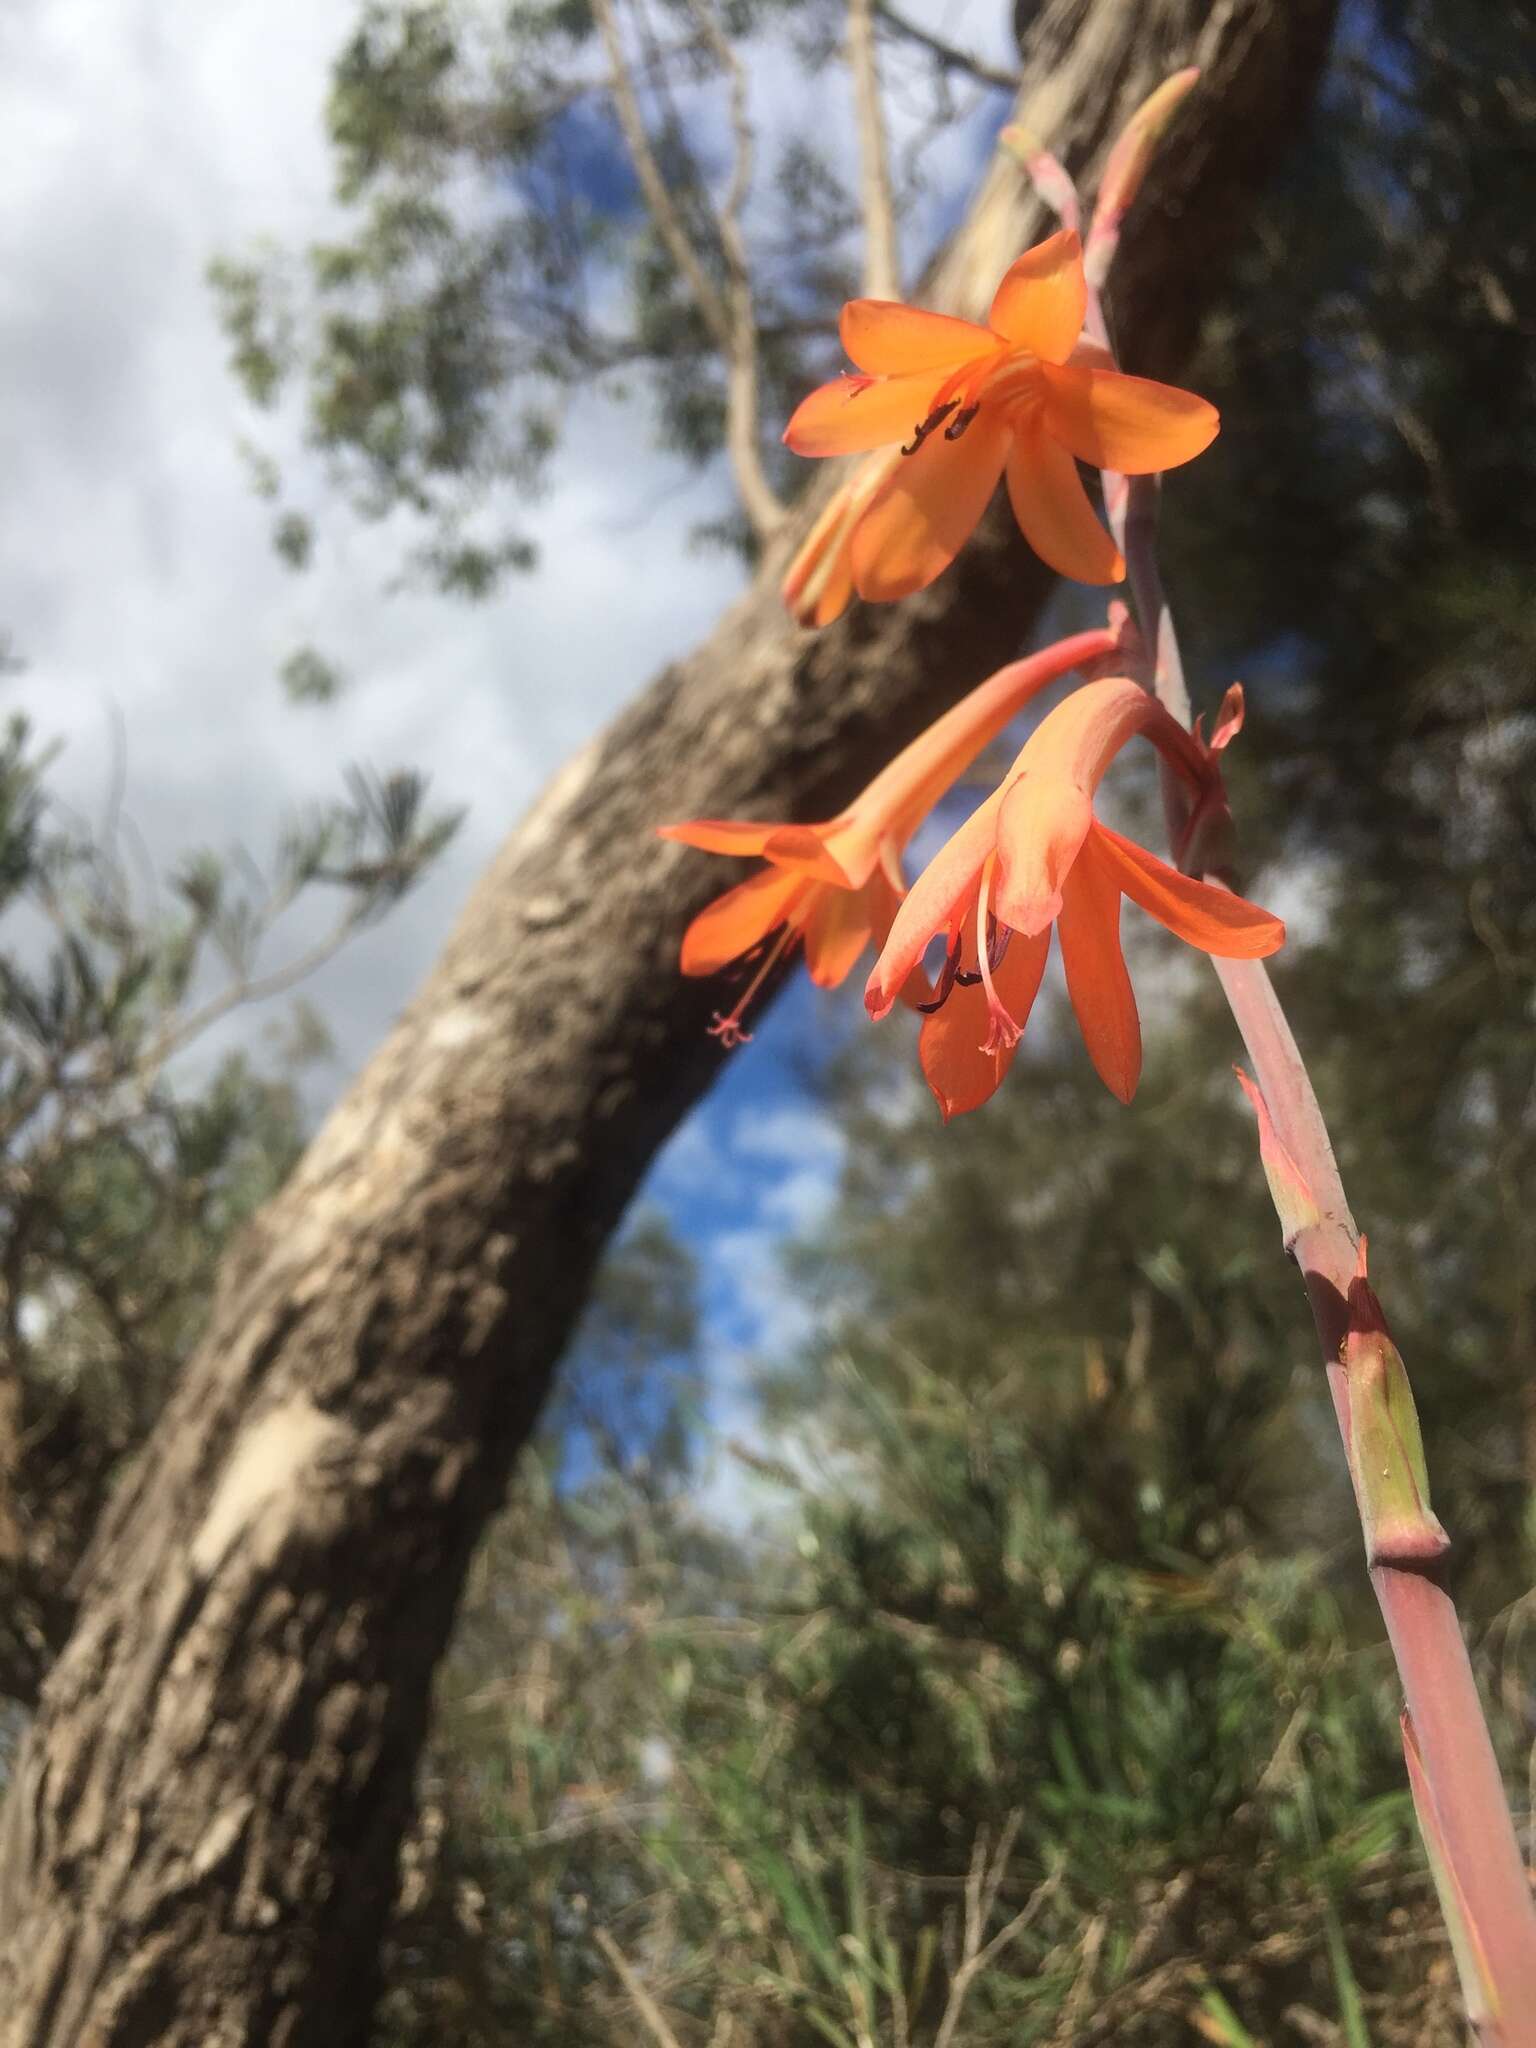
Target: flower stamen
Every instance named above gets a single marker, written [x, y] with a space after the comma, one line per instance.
[728, 1028]
[949, 976]
[925, 427]
[1003, 1033]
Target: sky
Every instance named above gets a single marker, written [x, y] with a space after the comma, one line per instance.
[138, 139]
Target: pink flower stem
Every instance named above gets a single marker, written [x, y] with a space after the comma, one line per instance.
[1454, 1746]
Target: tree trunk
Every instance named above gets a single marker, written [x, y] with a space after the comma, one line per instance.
[199, 1844]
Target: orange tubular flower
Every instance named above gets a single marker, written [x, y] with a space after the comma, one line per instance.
[819, 581]
[1034, 855]
[836, 885]
[969, 403]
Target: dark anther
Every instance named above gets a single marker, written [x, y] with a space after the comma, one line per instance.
[948, 976]
[925, 427]
[998, 936]
[960, 422]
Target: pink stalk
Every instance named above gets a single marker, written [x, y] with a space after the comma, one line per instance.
[1454, 1753]
[1456, 1782]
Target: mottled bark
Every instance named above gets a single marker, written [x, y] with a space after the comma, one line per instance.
[200, 1840]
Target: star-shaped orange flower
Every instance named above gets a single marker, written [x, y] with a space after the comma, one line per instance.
[1021, 396]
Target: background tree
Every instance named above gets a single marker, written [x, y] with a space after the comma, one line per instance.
[134, 1153]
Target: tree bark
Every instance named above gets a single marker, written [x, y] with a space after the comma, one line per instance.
[198, 1848]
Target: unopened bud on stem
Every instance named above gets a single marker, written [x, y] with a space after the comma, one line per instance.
[1386, 1448]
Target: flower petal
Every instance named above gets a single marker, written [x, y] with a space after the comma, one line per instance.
[961, 1075]
[1092, 354]
[1213, 919]
[836, 933]
[852, 414]
[1042, 299]
[922, 517]
[804, 848]
[886, 338]
[1041, 827]
[1125, 423]
[932, 904]
[744, 836]
[1097, 981]
[1053, 511]
[884, 897]
[740, 919]
[808, 850]
[830, 600]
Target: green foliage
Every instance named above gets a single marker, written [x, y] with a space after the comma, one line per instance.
[928, 1765]
[134, 1152]
[293, 536]
[308, 678]
[258, 322]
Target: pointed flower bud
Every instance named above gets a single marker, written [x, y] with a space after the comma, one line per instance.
[1129, 162]
[1049, 176]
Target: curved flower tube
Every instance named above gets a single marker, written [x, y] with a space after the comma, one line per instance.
[966, 404]
[1033, 855]
[835, 886]
[819, 581]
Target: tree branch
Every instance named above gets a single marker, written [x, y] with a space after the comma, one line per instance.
[728, 316]
[668, 221]
[882, 260]
[948, 55]
[742, 434]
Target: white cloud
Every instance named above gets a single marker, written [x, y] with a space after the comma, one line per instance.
[803, 1149]
[136, 574]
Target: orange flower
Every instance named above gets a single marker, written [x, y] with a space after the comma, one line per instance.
[835, 886]
[1034, 855]
[970, 403]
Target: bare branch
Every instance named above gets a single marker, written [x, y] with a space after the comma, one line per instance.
[728, 317]
[669, 222]
[948, 55]
[882, 261]
[758, 497]
[983, 1883]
